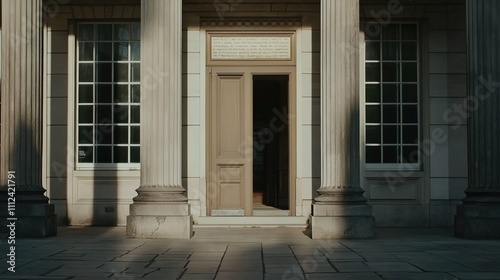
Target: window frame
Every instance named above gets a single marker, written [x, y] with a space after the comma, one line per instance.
[419, 103]
[76, 83]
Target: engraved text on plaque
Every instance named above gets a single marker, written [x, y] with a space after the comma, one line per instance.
[251, 48]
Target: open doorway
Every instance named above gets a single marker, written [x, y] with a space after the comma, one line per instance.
[251, 127]
[271, 136]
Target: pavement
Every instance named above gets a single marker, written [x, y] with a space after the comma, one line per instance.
[251, 253]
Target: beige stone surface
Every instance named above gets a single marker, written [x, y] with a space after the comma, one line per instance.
[285, 253]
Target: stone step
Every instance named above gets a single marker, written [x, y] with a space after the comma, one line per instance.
[278, 221]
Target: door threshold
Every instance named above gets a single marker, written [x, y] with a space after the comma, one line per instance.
[254, 221]
[271, 213]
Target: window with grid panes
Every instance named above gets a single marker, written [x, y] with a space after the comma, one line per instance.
[108, 94]
[392, 118]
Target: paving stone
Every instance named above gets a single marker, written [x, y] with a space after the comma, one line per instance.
[352, 267]
[485, 266]
[211, 247]
[239, 275]
[135, 258]
[306, 250]
[286, 275]
[378, 257]
[278, 260]
[344, 256]
[243, 255]
[168, 264]
[202, 270]
[43, 264]
[282, 266]
[477, 275]
[392, 266]
[282, 270]
[418, 256]
[31, 277]
[461, 257]
[344, 276]
[149, 250]
[246, 247]
[81, 264]
[165, 274]
[439, 266]
[319, 269]
[241, 266]
[315, 266]
[126, 274]
[121, 266]
[205, 264]
[89, 253]
[279, 251]
[78, 272]
[180, 255]
[490, 256]
[188, 276]
[306, 258]
[20, 271]
[206, 256]
[416, 276]
[172, 257]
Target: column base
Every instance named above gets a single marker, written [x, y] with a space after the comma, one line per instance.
[156, 221]
[342, 221]
[476, 221]
[33, 220]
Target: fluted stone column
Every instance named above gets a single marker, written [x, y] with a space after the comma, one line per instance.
[341, 210]
[160, 210]
[479, 215]
[21, 116]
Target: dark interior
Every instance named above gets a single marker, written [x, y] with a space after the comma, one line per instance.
[271, 142]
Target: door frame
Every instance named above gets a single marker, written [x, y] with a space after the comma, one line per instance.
[289, 71]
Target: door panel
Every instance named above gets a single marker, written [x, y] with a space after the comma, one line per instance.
[231, 163]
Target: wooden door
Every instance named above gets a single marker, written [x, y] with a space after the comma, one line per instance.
[231, 143]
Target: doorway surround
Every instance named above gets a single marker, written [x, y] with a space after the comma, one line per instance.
[245, 67]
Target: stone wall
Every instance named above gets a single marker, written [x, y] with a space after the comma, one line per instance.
[428, 198]
[80, 197]
[103, 197]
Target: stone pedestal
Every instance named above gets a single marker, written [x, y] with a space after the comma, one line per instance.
[341, 210]
[160, 221]
[479, 216]
[342, 221]
[160, 209]
[21, 127]
[477, 221]
[33, 220]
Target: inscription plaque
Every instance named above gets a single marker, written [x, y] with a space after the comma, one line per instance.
[251, 48]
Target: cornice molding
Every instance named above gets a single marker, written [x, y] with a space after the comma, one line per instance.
[251, 22]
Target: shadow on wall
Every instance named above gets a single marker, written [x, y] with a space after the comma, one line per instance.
[105, 182]
[316, 126]
[316, 121]
[185, 129]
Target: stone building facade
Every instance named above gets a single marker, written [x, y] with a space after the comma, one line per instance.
[164, 115]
